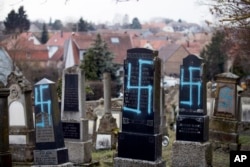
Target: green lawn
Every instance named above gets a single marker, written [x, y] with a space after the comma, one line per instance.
[105, 157]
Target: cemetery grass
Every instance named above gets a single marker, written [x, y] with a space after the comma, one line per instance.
[104, 158]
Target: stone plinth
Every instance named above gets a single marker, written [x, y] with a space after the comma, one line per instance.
[127, 162]
[61, 165]
[79, 152]
[191, 154]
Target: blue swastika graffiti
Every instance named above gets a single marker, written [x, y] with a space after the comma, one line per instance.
[191, 84]
[45, 106]
[139, 87]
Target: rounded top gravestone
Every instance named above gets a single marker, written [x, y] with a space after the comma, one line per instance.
[6, 67]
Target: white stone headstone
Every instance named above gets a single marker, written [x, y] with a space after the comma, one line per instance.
[16, 114]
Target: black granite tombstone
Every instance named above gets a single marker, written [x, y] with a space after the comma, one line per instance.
[192, 122]
[140, 137]
[140, 111]
[71, 93]
[71, 130]
[192, 128]
[50, 149]
[192, 93]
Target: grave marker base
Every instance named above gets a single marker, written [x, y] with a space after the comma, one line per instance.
[125, 162]
[68, 164]
[5, 159]
[79, 152]
[192, 154]
[22, 153]
[51, 157]
[225, 132]
[140, 146]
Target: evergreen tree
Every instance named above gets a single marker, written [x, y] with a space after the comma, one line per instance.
[57, 25]
[97, 60]
[214, 55]
[84, 26]
[17, 22]
[136, 23]
[45, 34]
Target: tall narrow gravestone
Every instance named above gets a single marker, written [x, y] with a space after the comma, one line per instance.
[75, 125]
[50, 148]
[5, 155]
[192, 121]
[140, 142]
[223, 124]
[105, 137]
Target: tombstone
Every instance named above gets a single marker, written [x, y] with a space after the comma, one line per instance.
[5, 154]
[192, 121]
[245, 103]
[140, 142]
[224, 122]
[105, 137]
[22, 132]
[73, 115]
[49, 146]
[6, 67]
[164, 128]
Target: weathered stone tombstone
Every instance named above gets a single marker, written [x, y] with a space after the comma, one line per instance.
[22, 132]
[105, 137]
[6, 67]
[140, 142]
[245, 103]
[50, 148]
[224, 122]
[192, 121]
[210, 99]
[73, 115]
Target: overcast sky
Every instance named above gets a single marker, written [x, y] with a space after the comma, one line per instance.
[102, 11]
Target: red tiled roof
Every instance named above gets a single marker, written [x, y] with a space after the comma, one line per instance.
[84, 41]
[58, 55]
[58, 38]
[31, 55]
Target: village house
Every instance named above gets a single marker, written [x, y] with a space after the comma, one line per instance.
[172, 56]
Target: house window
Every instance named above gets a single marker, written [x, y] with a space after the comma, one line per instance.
[115, 40]
[82, 54]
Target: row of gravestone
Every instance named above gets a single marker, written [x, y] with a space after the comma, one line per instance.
[141, 112]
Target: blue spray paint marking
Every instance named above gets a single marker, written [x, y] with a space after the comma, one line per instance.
[191, 84]
[139, 87]
[225, 99]
[44, 105]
